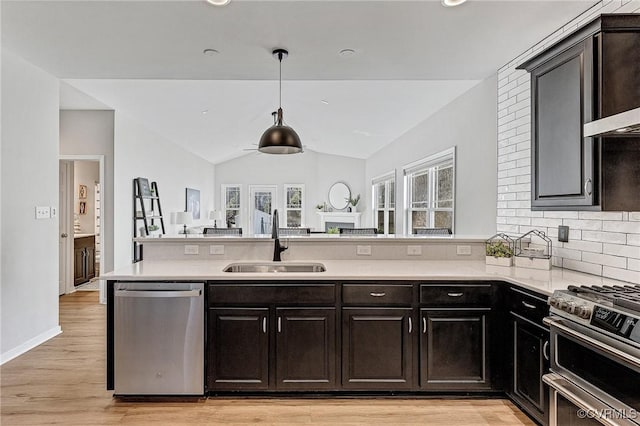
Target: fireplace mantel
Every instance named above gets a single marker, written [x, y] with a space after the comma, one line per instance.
[339, 217]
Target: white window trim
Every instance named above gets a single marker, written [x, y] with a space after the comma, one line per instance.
[387, 210]
[302, 208]
[223, 203]
[425, 163]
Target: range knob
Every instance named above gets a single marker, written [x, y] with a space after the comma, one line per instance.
[555, 301]
[583, 311]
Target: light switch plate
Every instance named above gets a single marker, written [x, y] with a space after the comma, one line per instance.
[216, 249]
[191, 249]
[363, 250]
[54, 212]
[43, 212]
[414, 250]
[563, 234]
[463, 250]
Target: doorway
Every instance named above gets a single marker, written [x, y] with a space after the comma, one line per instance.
[81, 222]
[262, 201]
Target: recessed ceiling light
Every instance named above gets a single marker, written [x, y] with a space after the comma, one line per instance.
[210, 52]
[205, 111]
[347, 52]
[324, 101]
[451, 3]
[219, 2]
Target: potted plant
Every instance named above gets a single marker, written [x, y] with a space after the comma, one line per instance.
[353, 202]
[154, 229]
[335, 230]
[498, 253]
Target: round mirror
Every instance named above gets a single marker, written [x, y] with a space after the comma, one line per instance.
[339, 195]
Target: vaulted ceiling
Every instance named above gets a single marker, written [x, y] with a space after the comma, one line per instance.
[145, 59]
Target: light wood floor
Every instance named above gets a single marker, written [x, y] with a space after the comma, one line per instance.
[63, 382]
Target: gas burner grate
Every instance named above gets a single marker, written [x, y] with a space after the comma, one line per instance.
[626, 296]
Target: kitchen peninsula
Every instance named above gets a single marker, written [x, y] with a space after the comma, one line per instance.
[396, 320]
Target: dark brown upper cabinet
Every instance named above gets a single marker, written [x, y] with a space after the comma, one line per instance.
[593, 73]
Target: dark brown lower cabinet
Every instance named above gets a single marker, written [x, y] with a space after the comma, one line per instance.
[454, 352]
[242, 343]
[238, 340]
[305, 348]
[377, 348]
[530, 346]
[84, 259]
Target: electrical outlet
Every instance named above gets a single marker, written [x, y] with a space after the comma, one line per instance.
[216, 249]
[414, 250]
[191, 249]
[463, 250]
[54, 212]
[563, 234]
[43, 212]
[363, 250]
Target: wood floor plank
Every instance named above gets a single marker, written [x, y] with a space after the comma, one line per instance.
[63, 382]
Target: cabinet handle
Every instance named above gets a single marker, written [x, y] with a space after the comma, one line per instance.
[545, 350]
[587, 186]
[528, 305]
[264, 324]
[455, 294]
[424, 325]
[410, 325]
[381, 294]
[279, 324]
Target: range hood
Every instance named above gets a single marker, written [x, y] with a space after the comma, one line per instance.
[623, 124]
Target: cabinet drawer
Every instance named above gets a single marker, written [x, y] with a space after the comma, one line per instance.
[456, 295]
[374, 295]
[532, 307]
[287, 294]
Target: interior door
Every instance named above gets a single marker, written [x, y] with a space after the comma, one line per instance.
[63, 232]
[262, 202]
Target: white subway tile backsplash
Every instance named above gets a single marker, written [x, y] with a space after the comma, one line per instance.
[576, 265]
[591, 225]
[605, 237]
[621, 274]
[560, 215]
[628, 227]
[622, 250]
[605, 260]
[600, 243]
[590, 246]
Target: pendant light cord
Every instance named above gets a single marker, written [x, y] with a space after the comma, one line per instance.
[280, 59]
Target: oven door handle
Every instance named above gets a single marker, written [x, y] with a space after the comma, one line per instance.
[610, 350]
[590, 406]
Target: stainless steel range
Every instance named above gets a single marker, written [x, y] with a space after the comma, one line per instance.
[595, 356]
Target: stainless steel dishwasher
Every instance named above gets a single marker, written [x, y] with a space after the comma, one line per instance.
[159, 338]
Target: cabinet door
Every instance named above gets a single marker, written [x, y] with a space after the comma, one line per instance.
[530, 348]
[79, 275]
[91, 262]
[377, 348]
[562, 159]
[238, 349]
[305, 348]
[453, 350]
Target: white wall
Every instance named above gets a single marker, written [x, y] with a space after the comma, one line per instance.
[29, 290]
[600, 243]
[86, 173]
[315, 170]
[91, 133]
[469, 124]
[139, 152]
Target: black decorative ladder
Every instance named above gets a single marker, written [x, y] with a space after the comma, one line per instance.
[145, 196]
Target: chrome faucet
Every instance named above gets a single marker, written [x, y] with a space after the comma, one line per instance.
[277, 248]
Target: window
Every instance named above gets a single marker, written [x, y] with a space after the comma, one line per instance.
[232, 205]
[430, 192]
[293, 205]
[383, 190]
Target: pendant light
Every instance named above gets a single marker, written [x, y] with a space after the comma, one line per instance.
[280, 139]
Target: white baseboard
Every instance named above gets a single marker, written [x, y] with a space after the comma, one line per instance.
[29, 344]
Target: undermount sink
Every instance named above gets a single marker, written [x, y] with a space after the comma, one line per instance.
[274, 267]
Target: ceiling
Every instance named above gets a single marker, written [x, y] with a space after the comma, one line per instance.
[144, 58]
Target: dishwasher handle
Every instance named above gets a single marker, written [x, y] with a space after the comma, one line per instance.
[163, 294]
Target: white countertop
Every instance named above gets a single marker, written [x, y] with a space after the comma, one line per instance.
[197, 238]
[83, 235]
[542, 281]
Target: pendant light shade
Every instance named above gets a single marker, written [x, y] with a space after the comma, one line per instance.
[280, 139]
